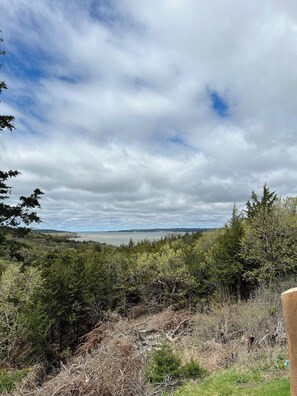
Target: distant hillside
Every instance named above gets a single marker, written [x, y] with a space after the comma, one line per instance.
[180, 229]
[56, 233]
[48, 231]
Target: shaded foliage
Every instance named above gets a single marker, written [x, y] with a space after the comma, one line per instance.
[230, 265]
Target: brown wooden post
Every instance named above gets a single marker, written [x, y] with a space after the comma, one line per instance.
[289, 302]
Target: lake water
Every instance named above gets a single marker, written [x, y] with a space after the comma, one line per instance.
[123, 238]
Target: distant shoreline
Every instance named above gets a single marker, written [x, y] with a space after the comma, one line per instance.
[176, 229]
[119, 238]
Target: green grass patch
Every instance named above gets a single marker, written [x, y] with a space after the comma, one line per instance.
[231, 382]
[9, 379]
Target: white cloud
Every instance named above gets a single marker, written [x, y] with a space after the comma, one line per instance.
[114, 119]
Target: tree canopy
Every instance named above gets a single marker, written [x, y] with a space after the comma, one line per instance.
[256, 204]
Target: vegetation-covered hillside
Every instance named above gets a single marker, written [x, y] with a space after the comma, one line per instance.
[55, 292]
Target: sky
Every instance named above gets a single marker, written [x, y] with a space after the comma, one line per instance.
[143, 114]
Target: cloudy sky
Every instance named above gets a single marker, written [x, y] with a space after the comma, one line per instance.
[149, 113]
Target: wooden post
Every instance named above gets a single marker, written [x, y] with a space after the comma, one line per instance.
[289, 303]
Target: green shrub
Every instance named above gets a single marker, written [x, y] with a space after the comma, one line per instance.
[163, 363]
[193, 370]
[8, 379]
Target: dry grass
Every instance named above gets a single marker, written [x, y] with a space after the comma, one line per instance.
[106, 364]
[237, 333]
[114, 369]
[111, 359]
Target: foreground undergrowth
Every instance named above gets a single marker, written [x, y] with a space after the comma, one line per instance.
[232, 382]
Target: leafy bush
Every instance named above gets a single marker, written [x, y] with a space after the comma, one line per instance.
[163, 364]
[193, 370]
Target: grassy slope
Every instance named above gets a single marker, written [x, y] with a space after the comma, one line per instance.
[230, 382]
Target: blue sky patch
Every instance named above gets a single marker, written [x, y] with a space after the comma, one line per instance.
[218, 104]
[20, 64]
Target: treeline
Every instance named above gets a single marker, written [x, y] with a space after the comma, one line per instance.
[53, 291]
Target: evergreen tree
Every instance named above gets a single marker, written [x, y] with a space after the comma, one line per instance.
[64, 296]
[227, 257]
[12, 216]
[269, 243]
[265, 204]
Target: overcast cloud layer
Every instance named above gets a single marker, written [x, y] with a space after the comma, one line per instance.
[160, 113]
